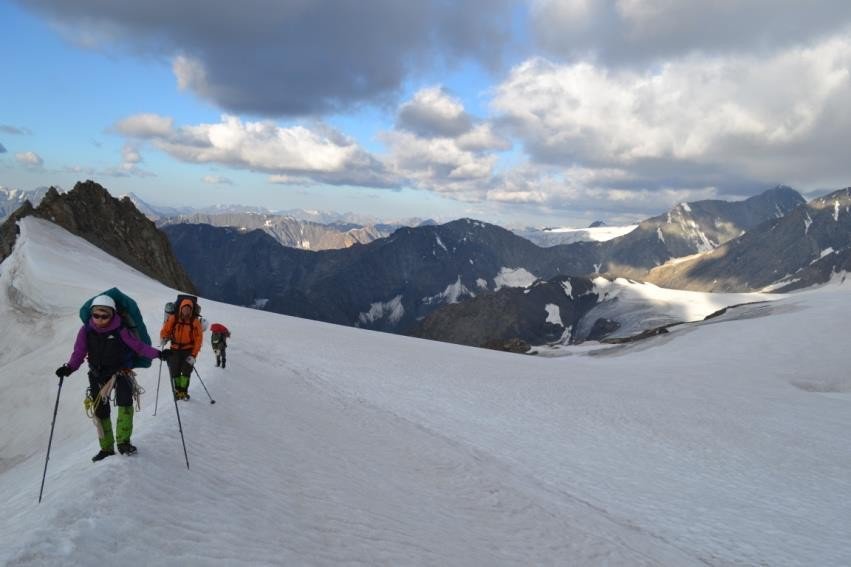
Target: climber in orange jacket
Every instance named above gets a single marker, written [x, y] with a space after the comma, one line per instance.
[183, 329]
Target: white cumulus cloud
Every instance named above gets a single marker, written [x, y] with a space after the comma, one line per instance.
[319, 153]
[783, 117]
[29, 159]
[433, 112]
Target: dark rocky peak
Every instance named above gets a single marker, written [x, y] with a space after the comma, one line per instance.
[458, 236]
[470, 232]
[115, 226]
[782, 194]
[597, 224]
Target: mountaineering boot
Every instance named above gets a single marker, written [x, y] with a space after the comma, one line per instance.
[102, 455]
[126, 448]
[124, 424]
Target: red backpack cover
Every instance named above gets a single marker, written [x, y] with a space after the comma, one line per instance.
[219, 328]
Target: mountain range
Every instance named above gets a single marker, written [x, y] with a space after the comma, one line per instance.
[468, 281]
[386, 285]
[805, 246]
[289, 231]
[395, 283]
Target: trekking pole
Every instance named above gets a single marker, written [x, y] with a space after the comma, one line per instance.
[179, 426]
[212, 401]
[159, 375]
[50, 442]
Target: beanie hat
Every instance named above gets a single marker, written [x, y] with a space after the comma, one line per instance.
[103, 301]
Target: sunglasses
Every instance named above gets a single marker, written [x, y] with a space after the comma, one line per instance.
[101, 316]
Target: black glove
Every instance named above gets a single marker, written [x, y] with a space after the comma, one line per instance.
[64, 371]
[164, 353]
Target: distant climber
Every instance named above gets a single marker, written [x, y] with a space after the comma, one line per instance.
[219, 340]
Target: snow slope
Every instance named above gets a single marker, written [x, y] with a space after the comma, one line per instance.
[723, 443]
[563, 235]
[641, 306]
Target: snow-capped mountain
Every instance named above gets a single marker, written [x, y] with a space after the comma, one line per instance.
[160, 213]
[722, 443]
[565, 235]
[296, 228]
[332, 217]
[156, 212]
[289, 231]
[12, 199]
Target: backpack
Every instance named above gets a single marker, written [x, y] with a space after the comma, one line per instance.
[219, 328]
[218, 335]
[131, 319]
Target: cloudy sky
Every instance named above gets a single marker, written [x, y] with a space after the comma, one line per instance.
[540, 112]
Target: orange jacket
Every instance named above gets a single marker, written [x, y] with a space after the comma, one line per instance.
[184, 335]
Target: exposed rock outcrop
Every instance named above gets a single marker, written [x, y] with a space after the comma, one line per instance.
[516, 345]
[544, 313]
[115, 226]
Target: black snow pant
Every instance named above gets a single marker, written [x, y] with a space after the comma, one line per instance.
[123, 391]
[221, 356]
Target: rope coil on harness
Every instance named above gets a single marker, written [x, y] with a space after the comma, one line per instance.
[105, 393]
